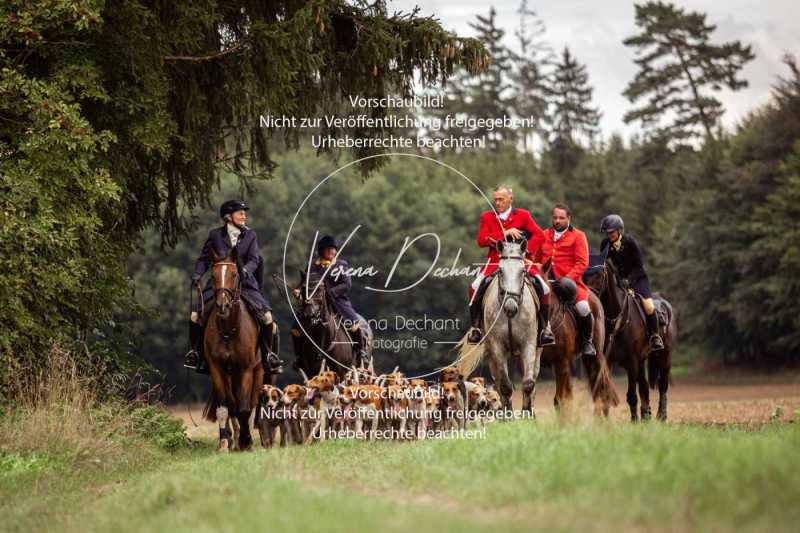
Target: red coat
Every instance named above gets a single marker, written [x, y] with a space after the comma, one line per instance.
[569, 256]
[492, 226]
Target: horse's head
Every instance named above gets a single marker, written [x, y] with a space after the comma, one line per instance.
[226, 285]
[511, 274]
[312, 296]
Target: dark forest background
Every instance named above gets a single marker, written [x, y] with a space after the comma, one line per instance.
[106, 204]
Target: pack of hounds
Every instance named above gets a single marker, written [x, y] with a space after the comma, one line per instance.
[364, 405]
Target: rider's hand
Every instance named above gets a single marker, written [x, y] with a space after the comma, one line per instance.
[296, 293]
[514, 233]
[196, 279]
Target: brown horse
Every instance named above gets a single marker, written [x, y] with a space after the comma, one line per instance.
[565, 351]
[231, 345]
[629, 342]
[324, 332]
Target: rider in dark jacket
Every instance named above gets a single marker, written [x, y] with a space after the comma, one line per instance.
[627, 257]
[338, 284]
[234, 235]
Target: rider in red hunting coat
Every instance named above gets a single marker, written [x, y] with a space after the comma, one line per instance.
[506, 222]
[567, 251]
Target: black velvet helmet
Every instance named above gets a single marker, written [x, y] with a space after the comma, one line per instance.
[612, 222]
[566, 289]
[326, 242]
[231, 206]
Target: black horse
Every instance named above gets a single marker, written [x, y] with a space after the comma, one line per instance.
[323, 331]
[627, 339]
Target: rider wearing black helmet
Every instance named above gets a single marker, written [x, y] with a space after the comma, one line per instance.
[332, 268]
[234, 235]
[627, 257]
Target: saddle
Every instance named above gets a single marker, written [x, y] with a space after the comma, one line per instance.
[662, 313]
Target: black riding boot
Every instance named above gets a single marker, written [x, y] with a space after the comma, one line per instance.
[656, 343]
[546, 337]
[476, 312]
[545, 333]
[585, 326]
[297, 344]
[193, 358]
[269, 359]
[360, 342]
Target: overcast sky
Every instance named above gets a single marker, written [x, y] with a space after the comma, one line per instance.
[595, 29]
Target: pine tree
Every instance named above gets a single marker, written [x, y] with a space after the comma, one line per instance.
[679, 71]
[486, 94]
[570, 94]
[529, 76]
[119, 116]
[571, 117]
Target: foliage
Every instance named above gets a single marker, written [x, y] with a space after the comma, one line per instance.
[117, 116]
[679, 69]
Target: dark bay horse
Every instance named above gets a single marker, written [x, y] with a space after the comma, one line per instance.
[325, 328]
[628, 342]
[231, 346]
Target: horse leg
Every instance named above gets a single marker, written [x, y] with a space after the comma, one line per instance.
[244, 394]
[644, 393]
[632, 396]
[663, 385]
[563, 383]
[499, 372]
[528, 358]
[245, 437]
[225, 441]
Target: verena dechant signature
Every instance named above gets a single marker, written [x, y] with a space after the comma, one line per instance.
[335, 270]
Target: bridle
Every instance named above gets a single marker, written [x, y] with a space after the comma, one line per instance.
[624, 307]
[233, 293]
[503, 291]
[321, 308]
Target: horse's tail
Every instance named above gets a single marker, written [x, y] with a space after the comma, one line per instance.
[469, 356]
[603, 388]
[210, 410]
[653, 371]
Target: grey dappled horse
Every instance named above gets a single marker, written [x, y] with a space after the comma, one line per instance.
[510, 321]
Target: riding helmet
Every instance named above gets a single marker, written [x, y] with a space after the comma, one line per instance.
[611, 222]
[566, 289]
[231, 206]
[327, 241]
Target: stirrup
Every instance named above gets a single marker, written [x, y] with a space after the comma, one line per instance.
[546, 337]
[475, 336]
[274, 363]
[656, 342]
[587, 349]
[191, 359]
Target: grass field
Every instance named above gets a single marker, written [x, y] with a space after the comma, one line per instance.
[569, 474]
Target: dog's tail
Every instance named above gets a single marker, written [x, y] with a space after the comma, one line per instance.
[469, 356]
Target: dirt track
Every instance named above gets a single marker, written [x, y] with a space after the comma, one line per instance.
[696, 402]
[749, 401]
